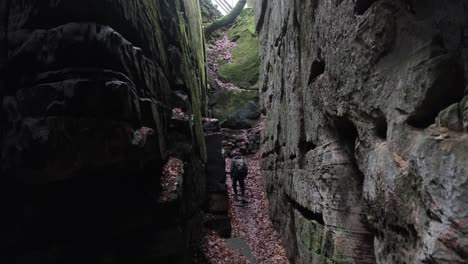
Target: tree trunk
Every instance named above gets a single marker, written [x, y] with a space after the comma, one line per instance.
[225, 20]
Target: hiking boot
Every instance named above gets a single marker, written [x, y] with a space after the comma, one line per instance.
[243, 199]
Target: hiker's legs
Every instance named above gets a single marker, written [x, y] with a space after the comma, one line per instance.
[242, 186]
[234, 184]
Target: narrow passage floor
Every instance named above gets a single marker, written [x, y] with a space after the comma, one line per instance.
[251, 225]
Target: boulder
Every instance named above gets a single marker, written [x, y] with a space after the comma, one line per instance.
[228, 102]
[245, 117]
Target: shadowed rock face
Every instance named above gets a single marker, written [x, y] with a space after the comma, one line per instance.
[357, 169]
[87, 93]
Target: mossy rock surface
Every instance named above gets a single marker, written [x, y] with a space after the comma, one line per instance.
[228, 102]
[244, 69]
[244, 26]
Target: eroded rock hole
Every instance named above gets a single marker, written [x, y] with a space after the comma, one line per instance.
[347, 133]
[381, 127]
[277, 150]
[305, 212]
[304, 147]
[282, 88]
[362, 6]
[408, 232]
[317, 69]
[446, 88]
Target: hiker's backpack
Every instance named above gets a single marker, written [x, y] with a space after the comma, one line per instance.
[241, 167]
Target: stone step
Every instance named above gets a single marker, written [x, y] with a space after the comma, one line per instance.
[242, 248]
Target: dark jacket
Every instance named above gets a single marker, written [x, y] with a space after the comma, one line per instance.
[236, 171]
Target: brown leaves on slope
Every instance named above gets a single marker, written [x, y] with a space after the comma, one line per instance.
[220, 52]
[170, 180]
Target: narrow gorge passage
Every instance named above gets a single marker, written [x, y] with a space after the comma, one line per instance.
[233, 72]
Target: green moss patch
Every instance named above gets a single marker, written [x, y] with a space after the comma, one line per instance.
[229, 101]
[244, 69]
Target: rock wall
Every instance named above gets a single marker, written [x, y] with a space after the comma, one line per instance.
[357, 170]
[87, 93]
[217, 216]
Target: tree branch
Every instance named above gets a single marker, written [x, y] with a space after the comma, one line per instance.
[225, 20]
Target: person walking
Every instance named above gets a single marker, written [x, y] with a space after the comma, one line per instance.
[239, 171]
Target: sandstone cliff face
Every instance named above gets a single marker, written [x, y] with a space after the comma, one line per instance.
[356, 169]
[87, 94]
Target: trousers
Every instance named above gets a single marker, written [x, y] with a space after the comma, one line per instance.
[241, 181]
